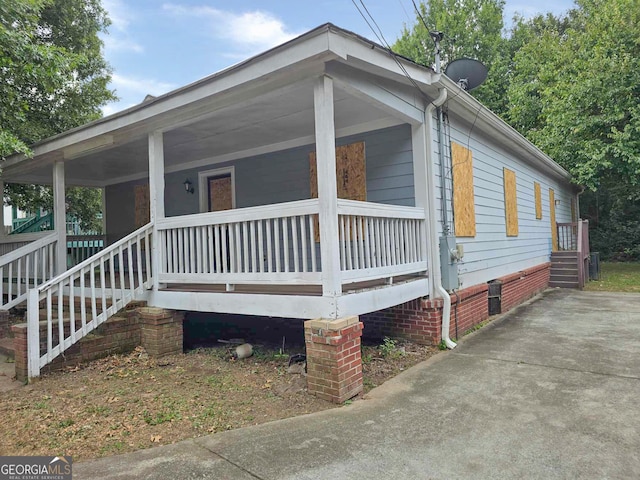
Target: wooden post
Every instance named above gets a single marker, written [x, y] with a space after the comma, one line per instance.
[327, 186]
[156, 199]
[420, 182]
[60, 217]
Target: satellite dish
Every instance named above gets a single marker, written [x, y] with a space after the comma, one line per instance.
[466, 72]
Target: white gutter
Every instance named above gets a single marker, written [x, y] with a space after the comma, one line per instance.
[434, 261]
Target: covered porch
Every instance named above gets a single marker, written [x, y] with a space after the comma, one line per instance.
[292, 244]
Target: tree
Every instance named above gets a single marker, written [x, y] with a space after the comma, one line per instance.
[575, 92]
[472, 28]
[52, 78]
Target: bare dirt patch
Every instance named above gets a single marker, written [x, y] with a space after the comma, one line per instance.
[129, 402]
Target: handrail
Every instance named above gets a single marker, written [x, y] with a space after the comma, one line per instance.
[384, 210]
[245, 214]
[90, 260]
[108, 280]
[14, 255]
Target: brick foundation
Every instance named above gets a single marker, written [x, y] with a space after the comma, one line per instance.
[158, 330]
[520, 286]
[161, 331]
[420, 320]
[334, 360]
[120, 334]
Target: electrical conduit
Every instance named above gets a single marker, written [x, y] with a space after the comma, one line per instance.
[433, 251]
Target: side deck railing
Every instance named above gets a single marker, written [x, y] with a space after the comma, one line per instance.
[574, 237]
[25, 267]
[380, 241]
[85, 296]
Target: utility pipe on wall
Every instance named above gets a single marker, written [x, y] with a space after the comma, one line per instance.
[433, 251]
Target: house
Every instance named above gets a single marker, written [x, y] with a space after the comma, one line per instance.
[312, 181]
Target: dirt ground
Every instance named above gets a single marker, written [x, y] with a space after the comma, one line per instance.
[129, 402]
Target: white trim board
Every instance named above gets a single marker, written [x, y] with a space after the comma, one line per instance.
[203, 187]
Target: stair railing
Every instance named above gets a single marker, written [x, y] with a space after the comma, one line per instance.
[24, 268]
[583, 252]
[94, 290]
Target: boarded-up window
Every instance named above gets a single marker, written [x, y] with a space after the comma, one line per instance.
[220, 193]
[142, 211]
[464, 210]
[510, 202]
[538, 195]
[552, 219]
[351, 176]
[350, 172]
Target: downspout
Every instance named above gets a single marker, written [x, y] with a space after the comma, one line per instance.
[433, 234]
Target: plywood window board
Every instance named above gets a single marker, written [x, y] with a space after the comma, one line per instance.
[220, 193]
[351, 175]
[141, 205]
[464, 210]
[510, 202]
[552, 219]
[538, 198]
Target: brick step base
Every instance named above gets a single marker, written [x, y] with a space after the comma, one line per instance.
[6, 347]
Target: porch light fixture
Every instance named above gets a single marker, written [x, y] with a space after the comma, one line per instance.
[557, 202]
[188, 186]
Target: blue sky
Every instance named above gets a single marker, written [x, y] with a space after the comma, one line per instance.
[155, 46]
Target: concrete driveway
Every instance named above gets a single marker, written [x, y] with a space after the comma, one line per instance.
[551, 390]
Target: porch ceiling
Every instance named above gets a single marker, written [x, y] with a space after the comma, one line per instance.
[284, 116]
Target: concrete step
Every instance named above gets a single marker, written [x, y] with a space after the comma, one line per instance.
[6, 347]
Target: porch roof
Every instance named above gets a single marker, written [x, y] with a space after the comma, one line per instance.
[262, 104]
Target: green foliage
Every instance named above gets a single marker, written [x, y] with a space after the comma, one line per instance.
[617, 277]
[52, 78]
[472, 29]
[570, 84]
[390, 349]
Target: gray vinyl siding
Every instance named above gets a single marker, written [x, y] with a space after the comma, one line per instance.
[491, 254]
[279, 177]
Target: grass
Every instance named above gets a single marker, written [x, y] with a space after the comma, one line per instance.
[617, 277]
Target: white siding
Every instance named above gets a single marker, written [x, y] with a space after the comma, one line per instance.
[491, 254]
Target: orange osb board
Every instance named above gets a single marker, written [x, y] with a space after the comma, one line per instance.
[510, 202]
[220, 194]
[351, 174]
[538, 195]
[142, 209]
[464, 209]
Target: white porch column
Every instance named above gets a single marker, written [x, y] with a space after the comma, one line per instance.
[60, 217]
[327, 186]
[421, 180]
[156, 198]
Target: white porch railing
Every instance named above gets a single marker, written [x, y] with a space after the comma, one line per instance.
[268, 244]
[380, 241]
[26, 267]
[93, 290]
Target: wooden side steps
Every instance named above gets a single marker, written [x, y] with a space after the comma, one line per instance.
[564, 270]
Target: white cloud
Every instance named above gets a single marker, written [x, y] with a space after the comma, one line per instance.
[113, 43]
[250, 32]
[119, 14]
[119, 38]
[140, 86]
